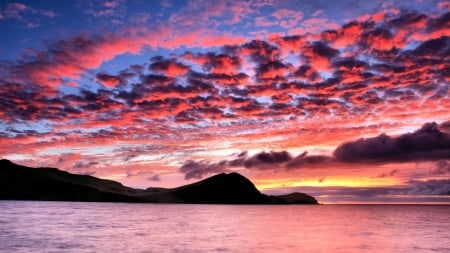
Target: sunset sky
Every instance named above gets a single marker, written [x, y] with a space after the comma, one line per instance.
[345, 100]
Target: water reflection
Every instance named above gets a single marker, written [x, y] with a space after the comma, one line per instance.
[102, 227]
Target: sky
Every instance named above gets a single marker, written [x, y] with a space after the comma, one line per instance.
[347, 101]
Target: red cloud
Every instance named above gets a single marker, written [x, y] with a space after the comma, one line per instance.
[170, 67]
[349, 35]
[108, 80]
[70, 58]
[319, 55]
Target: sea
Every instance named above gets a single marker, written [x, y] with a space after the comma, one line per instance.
[39, 226]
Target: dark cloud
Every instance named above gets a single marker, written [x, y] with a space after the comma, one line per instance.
[434, 48]
[272, 70]
[306, 71]
[219, 78]
[136, 68]
[445, 127]
[160, 104]
[169, 67]
[389, 174]
[96, 101]
[198, 169]
[349, 63]
[319, 48]
[441, 22]
[220, 63]
[406, 19]
[33, 103]
[429, 187]
[130, 96]
[14, 101]
[261, 51]
[84, 165]
[273, 160]
[427, 143]
[303, 160]
[113, 80]
[153, 79]
[128, 153]
[155, 178]
[379, 38]
[387, 68]
[267, 160]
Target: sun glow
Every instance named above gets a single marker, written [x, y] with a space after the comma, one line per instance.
[265, 184]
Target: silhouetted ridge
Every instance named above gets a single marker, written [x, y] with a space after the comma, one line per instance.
[230, 188]
[24, 183]
[297, 198]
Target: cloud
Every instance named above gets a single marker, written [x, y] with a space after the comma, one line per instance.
[429, 187]
[427, 143]
[414, 192]
[198, 169]
[319, 55]
[389, 174]
[168, 67]
[273, 160]
[25, 14]
[308, 161]
[112, 81]
[442, 168]
[70, 58]
[272, 71]
[113, 9]
[288, 18]
[155, 178]
[215, 63]
[260, 51]
[85, 165]
[266, 160]
[445, 127]
[433, 48]
[378, 70]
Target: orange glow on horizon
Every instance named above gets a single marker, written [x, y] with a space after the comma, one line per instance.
[342, 181]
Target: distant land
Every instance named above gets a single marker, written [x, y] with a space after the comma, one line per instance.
[24, 183]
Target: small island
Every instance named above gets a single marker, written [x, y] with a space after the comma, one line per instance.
[50, 184]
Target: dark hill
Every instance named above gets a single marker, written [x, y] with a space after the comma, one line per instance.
[297, 198]
[223, 188]
[24, 183]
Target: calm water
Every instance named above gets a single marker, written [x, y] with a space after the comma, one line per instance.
[27, 226]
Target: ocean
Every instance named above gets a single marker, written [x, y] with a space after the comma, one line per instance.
[34, 226]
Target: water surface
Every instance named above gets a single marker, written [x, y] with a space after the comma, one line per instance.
[27, 226]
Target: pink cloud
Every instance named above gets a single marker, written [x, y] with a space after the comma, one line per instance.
[264, 22]
[20, 12]
[221, 40]
[111, 4]
[444, 5]
[315, 25]
[288, 18]
[70, 58]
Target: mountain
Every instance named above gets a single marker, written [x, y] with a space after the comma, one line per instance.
[24, 183]
[223, 188]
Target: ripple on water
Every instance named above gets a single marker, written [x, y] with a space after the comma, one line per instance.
[102, 227]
